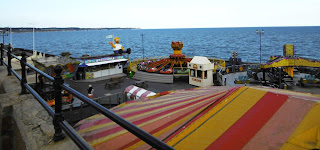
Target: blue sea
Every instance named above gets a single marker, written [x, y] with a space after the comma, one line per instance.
[212, 42]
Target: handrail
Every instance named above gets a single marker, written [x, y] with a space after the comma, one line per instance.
[4, 62]
[57, 115]
[16, 74]
[39, 71]
[16, 57]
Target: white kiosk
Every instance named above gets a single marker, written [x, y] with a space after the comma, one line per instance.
[200, 73]
[100, 66]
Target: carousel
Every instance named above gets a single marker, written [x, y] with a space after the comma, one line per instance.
[167, 65]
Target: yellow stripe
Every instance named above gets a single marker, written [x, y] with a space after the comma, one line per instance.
[157, 134]
[95, 127]
[109, 137]
[195, 124]
[307, 134]
[218, 120]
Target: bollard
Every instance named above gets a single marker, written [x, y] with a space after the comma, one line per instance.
[9, 60]
[23, 73]
[58, 115]
[1, 59]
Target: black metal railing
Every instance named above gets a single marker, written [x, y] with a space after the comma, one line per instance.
[58, 119]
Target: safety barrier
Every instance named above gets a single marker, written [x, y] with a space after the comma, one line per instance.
[57, 115]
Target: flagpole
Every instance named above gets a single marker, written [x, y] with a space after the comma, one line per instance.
[33, 38]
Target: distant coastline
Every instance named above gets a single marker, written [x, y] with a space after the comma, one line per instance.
[54, 29]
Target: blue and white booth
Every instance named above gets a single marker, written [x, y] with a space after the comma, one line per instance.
[100, 66]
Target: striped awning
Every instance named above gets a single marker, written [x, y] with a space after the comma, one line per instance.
[214, 118]
[137, 92]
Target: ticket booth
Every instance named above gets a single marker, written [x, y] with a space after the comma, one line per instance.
[200, 73]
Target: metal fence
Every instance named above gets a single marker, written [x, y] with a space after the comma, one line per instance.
[57, 115]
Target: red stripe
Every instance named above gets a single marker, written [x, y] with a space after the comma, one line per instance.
[129, 88]
[106, 120]
[241, 132]
[141, 105]
[136, 91]
[145, 94]
[142, 120]
[201, 114]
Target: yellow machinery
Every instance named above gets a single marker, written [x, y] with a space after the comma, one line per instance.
[289, 61]
[288, 50]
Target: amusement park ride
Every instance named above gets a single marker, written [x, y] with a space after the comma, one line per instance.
[166, 65]
[280, 69]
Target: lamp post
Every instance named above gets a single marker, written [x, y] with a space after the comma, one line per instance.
[33, 39]
[142, 46]
[260, 33]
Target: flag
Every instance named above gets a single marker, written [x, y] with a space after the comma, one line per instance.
[109, 36]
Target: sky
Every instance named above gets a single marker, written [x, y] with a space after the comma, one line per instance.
[151, 14]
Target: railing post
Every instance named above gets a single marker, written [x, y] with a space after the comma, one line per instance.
[23, 73]
[58, 115]
[9, 60]
[1, 59]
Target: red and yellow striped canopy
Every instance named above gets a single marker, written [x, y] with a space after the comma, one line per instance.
[214, 118]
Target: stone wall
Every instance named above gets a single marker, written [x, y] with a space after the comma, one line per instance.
[33, 122]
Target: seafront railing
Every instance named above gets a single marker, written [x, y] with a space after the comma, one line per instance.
[57, 115]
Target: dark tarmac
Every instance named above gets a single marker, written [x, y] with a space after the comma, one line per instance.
[100, 90]
[98, 85]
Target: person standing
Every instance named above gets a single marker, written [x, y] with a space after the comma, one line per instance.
[90, 91]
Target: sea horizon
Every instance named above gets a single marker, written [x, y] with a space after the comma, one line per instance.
[139, 28]
[210, 42]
